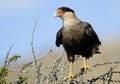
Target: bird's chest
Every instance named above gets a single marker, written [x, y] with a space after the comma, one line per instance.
[72, 32]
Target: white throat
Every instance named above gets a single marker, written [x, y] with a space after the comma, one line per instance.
[70, 19]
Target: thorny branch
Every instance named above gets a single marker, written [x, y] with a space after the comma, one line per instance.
[32, 44]
[37, 67]
[105, 63]
[4, 68]
[29, 64]
[56, 72]
[55, 76]
[104, 77]
[6, 63]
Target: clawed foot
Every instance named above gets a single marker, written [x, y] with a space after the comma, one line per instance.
[85, 68]
[71, 75]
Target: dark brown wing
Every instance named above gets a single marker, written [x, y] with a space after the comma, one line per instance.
[91, 34]
[59, 37]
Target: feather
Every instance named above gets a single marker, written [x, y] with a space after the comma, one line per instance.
[59, 37]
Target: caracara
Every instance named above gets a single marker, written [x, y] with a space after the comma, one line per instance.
[77, 38]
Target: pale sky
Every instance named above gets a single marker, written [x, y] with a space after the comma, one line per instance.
[17, 18]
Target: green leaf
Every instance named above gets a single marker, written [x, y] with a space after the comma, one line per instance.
[3, 72]
[14, 58]
[22, 79]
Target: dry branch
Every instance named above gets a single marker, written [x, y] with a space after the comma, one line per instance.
[6, 63]
[56, 76]
[37, 66]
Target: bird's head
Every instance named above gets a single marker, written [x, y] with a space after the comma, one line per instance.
[64, 12]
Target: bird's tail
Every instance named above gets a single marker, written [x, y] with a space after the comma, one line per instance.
[95, 49]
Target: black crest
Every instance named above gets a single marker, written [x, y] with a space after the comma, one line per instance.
[66, 9]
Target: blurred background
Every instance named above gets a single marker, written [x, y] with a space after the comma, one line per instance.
[18, 17]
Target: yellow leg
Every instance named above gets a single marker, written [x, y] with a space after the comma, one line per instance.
[71, 75]
[85, 67]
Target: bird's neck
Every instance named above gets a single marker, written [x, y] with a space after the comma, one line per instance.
[70, 20]
[69, 15]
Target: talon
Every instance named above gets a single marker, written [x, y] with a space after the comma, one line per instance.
[71, 75]
[85, 67]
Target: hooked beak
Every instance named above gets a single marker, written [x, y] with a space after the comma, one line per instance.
[55, 15]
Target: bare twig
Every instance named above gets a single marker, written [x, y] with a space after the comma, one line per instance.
[55, 74]
[37, 67]
[6, 63]
[105, 63]
[32, 44]
[24, 66]
[103, 77]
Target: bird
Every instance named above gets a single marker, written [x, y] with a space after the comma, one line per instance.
[77, 37]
